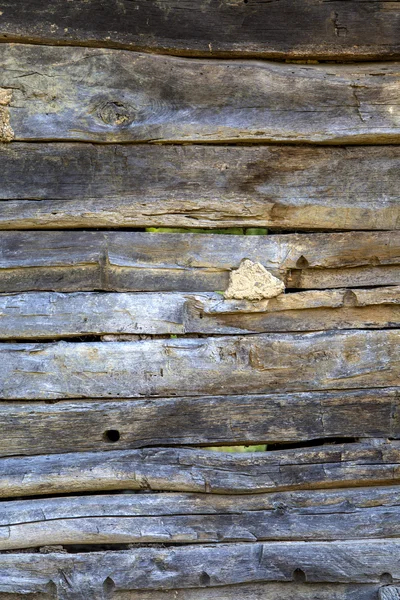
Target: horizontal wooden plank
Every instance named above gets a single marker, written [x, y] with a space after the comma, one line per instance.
[250, 591]
[345, 30]
[124, 316]
[189, 519]
[80, 185]
[198, 470]
[67, 426]
[249, 364]
[200, 566]
[135, 261]
[256, 591]
[98, 95]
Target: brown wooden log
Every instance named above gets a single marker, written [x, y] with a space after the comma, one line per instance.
[133, 261]
[58, 186]
[198, 470]
[288, 29]
[98, 95]
[68, 426]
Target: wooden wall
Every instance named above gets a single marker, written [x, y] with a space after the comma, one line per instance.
[123, 368]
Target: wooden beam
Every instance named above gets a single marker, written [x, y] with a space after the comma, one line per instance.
[200, 566]
[124, 316]
[98, 95]
[289, 29]
[68, 426]
[197, 470]
[59, 186]
[134, 261]
[254, 364]
[190, 519]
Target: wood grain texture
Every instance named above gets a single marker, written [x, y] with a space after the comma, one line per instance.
[203, 471]
[98, 95]
[199, 566]
[124, 316]
[256, 364]
[190, 519]
[257, 591]
[251, 591]
[58, 186]
[134, 261]
[67, 426]
[285, 29]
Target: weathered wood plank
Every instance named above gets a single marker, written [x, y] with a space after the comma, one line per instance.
[98, 95]
[249, 364]
[251, 591]
[199, 566]
[67, 426]
[288, 29]
[79, 185]
[53, 315]
[256, 591]
[187, 518]
[197, 470]
[134, 261]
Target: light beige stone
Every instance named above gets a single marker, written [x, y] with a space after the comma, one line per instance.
[252, 281]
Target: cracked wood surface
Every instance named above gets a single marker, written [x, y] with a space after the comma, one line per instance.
[199, 567]
[202, 471]
[284, 29]
[255, 364]
[134, 261]
[190, 519]
[72, 426]
[101, 95]
[59, 186]
[124, 316]
[251, 591]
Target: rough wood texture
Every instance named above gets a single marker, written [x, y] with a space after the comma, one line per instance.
[285, 29]
[134, 261]
[197, 470]
[80, 185]
[187, 518]
[41, 428]
[256, 591]
[185, 366]
[122, 316]
[251, 591]
[97, 95]
[89, 575]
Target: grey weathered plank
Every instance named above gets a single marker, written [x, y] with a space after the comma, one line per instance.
[250, 591]
[256, 591]
[98, 95]
[257, 364]
[188, 518]
[135, 261]
[68, 426]
[197, 470]
[199, 566]
[54, 315]
[79, 185]
[288, 29]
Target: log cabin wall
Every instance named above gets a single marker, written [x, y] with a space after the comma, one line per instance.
[134, 134]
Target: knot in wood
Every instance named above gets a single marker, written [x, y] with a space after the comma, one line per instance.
[116, 113]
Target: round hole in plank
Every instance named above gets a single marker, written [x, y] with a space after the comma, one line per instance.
[112, 435]
[299, 576]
